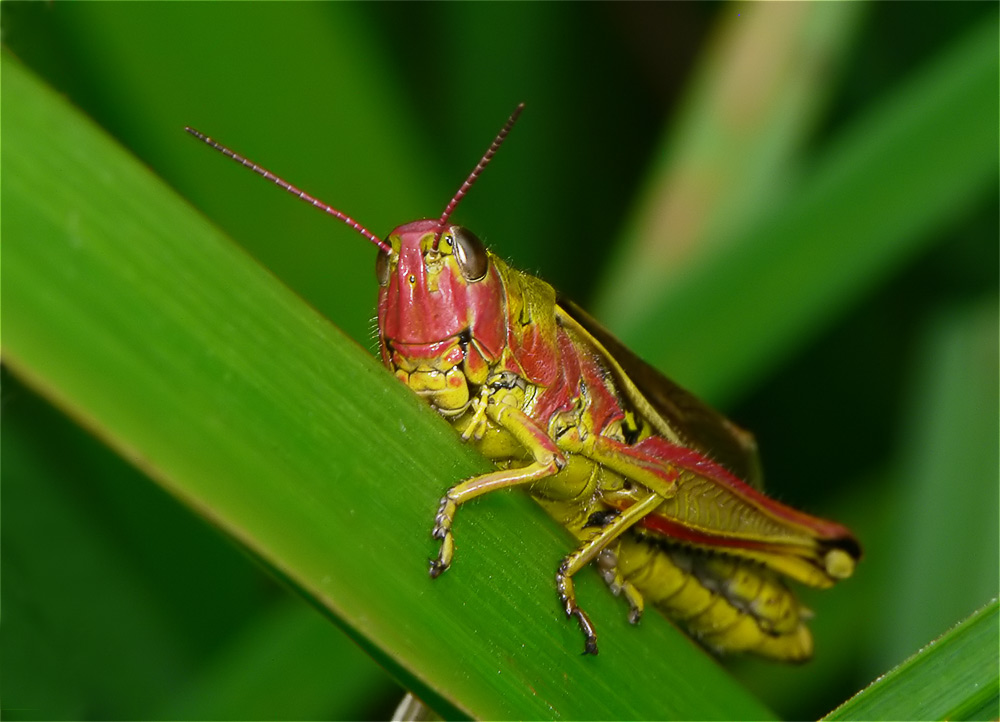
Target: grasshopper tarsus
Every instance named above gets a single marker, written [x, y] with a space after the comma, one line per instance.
[444, 518]
[437, 568]
[590, 643]
[443, 560]
[572, 610]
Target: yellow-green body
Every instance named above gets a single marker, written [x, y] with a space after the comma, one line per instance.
[646, 481]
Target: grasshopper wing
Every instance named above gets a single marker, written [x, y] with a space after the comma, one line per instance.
[740, 518]
[676, 413]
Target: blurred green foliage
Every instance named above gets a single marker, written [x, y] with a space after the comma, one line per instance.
[880, 412]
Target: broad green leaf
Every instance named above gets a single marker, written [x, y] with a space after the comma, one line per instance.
[955, 677]
[136, 317]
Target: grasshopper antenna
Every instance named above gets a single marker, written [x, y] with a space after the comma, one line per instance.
[260, 170]
[494, 146]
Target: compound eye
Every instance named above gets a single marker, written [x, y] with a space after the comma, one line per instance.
[382, 268]
[470, 254]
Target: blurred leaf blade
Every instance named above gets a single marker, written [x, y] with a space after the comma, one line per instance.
[870, 203]
[955, 430]
[52, 544]
[955, 677]
[134, 316]
[730, 153]
[286, 666]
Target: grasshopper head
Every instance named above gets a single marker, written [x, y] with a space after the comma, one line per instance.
[441, 298]
[439, 283]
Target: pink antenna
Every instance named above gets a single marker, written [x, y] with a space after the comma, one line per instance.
[260, 170]
[453, 203]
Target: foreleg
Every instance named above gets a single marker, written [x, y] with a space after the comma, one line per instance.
[548, 460]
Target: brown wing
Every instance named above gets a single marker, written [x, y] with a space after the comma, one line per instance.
[673, 411]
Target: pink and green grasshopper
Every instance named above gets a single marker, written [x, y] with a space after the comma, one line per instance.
[660, 491]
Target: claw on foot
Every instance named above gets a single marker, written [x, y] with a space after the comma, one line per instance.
[443, 560]
[635, 602]
[590, 641]
[568, 598]
[437, 567]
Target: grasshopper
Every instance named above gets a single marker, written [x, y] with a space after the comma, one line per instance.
[661, 492]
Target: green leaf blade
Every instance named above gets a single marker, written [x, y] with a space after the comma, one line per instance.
[133, 315]
[956, 677]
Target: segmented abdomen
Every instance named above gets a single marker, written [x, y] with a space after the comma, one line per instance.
[731, 605]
